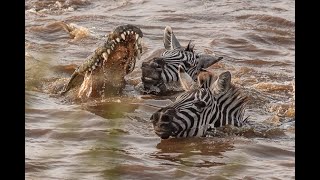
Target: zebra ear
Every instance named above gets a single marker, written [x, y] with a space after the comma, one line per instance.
[190, 47]
[169, 39]
[205, 61]
[222, 84]
[186, 81]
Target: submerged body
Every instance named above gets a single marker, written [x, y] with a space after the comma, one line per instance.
[104, 71]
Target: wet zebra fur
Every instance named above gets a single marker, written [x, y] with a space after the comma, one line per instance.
[209, 102]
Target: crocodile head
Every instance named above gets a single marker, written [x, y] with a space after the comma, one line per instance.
[104, 70]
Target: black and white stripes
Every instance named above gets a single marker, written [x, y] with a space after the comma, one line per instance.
[174, 58]
[210, 104]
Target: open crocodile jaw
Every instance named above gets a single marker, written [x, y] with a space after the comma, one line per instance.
[118, 58]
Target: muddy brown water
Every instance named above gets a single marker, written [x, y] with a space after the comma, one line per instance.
[113, 138]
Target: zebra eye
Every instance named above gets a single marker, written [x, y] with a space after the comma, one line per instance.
[188, 65]
[200, 105]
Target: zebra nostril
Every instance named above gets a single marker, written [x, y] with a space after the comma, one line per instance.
[155, 117]
[152, 117]
[166, 118]
[171, 112]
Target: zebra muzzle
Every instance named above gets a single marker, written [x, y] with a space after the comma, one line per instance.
[162, 123]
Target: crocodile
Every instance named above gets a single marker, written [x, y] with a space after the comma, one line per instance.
[103, 72]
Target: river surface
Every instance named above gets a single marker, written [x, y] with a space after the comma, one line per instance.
[114, 138]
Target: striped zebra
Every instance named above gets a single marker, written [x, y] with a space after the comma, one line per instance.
[163, 70]
[209, 102]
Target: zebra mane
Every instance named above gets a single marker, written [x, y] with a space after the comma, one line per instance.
[205, 79]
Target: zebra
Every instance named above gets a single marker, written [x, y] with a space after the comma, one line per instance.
[209, 102]
[162, 72]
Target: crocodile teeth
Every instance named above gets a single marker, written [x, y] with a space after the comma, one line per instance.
[89, 69]
[123, 36]
[124, 33]
[137, 36]
[118, 39]
[93, 67]
[128, 32]
[111, 47]
[108, 50]
[138, 55]
[139, 40]
[131, 32]
[96, 63]
[105, 56]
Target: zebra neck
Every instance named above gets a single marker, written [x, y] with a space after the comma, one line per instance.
[227, 109]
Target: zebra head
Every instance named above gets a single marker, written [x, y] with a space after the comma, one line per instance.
[209, 102]
[160, 74]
